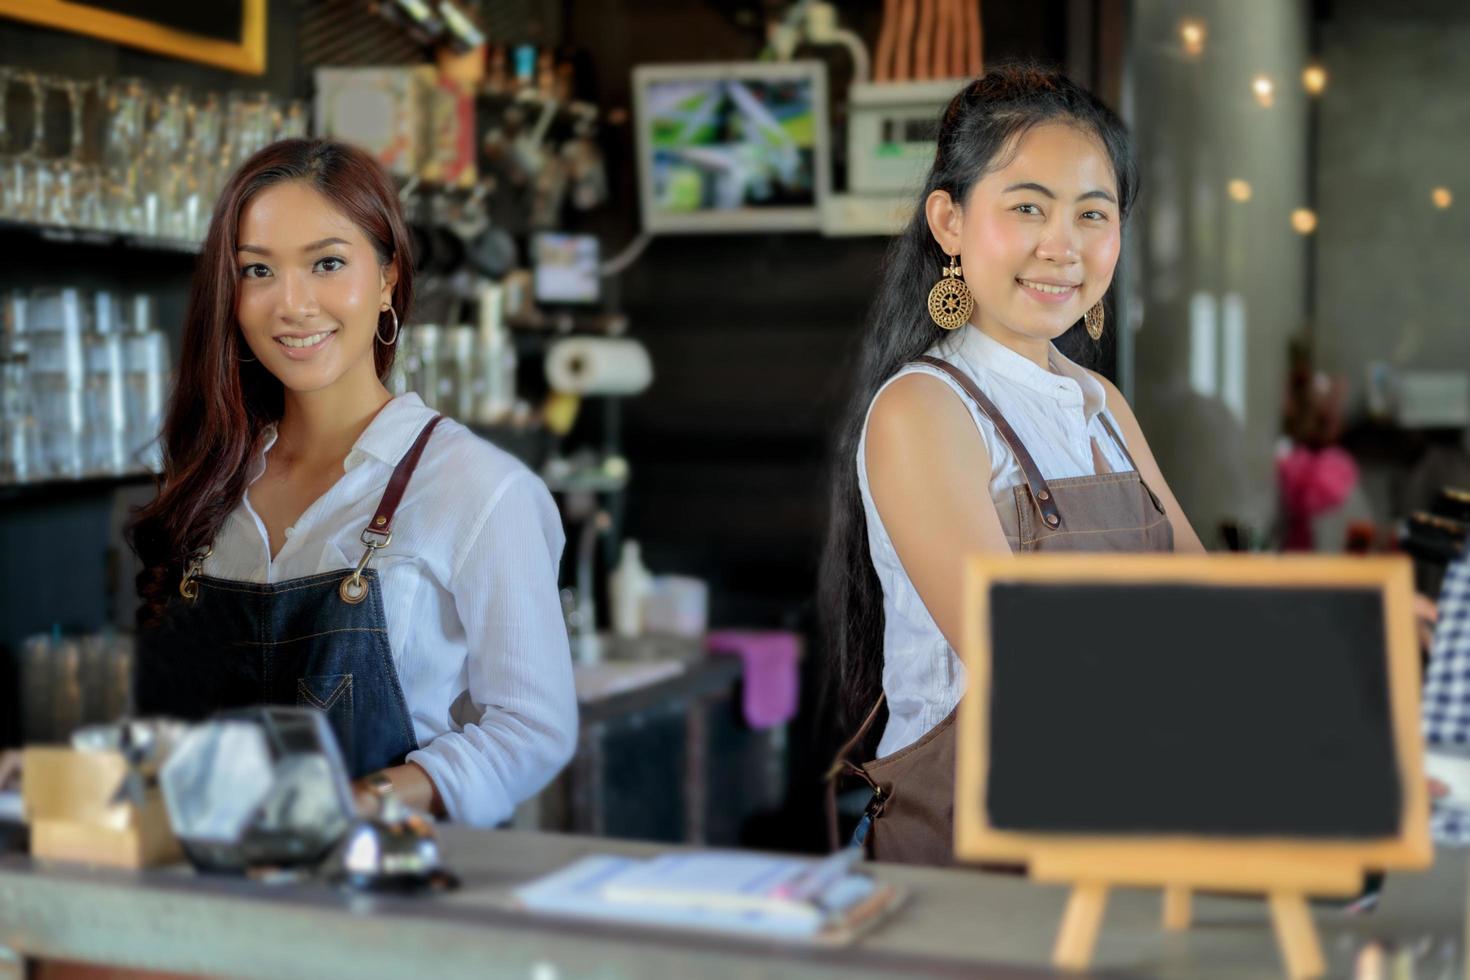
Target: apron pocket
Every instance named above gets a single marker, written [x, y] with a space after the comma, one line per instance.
[332, 695]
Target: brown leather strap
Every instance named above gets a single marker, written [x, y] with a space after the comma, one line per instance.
[1039, 490]
[1119, 440]
[844, 754]
[382, 522]
[842, 765]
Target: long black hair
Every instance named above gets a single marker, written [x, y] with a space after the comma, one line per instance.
[981, 125]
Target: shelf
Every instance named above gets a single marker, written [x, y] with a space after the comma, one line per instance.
[51, 490]
[92, 238]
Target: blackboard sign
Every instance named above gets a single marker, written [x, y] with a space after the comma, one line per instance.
[224, 33]
[1214, 714]
[1191, 710]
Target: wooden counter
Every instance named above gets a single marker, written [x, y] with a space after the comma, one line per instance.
[958, 924]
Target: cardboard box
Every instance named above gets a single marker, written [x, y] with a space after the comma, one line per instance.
[68, 799]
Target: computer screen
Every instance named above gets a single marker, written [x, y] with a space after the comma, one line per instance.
[731, 147]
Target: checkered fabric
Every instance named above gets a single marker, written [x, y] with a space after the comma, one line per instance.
[1447, 688]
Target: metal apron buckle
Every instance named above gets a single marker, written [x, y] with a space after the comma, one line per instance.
[188, 585]
[353, 590]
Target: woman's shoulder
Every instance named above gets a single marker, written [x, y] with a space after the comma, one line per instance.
[472, 465]
[910, 398]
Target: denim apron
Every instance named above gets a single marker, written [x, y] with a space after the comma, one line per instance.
[910, 817]
[320, 641]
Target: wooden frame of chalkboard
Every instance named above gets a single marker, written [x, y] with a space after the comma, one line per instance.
[1287, 868]
[244, 54]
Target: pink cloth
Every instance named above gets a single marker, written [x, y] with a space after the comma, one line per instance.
[771, 678]
[1312, 483]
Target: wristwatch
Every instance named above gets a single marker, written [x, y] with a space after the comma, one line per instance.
[380, 786]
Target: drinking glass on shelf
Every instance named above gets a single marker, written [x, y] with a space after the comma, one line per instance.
[106, 409]
[17, 422]
[147, 381]
[293, 121]
[71, 181]
[124, 109]
[250, 124]
[26, 169]
[9, 196]
[57, 369]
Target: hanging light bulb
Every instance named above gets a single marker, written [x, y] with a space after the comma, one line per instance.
[1265, 90]
[1192, 35]
[1442, 197]
[1314, 79]
[1239, 190]
[1304, 221]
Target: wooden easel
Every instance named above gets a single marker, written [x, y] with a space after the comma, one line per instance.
[1284, 871]
[1296, 934]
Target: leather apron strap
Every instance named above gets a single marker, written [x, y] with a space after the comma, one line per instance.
[1040, 492]
[379, 532]
[842, 765]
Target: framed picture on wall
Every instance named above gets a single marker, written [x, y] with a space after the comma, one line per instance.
[223, 33]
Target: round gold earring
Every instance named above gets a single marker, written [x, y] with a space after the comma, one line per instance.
[950, 302]
[1093, 321]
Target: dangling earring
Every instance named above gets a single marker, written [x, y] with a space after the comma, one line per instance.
[388, 341]
[950, 302]
[245, 360]
[1093, 321]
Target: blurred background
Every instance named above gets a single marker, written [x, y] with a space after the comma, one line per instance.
[647, 235]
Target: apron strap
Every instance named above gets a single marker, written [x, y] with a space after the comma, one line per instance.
[379, 532]
[1129, 456]
[1122, 446]
[842, 765]
[1039, 490]
[382, 522]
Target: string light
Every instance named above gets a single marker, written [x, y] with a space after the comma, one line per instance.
[1239, 190]
[1304, 221]
[1314, 79]
[1192, 35]
[1265, 90]
[1442, 197]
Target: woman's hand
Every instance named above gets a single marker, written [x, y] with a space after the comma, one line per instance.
[411, 784]
[1426, 614]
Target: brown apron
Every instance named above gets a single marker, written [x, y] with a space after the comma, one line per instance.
[910, 818]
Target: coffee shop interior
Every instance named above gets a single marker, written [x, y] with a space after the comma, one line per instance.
[647, 236]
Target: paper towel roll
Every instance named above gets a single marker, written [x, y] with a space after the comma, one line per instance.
[598, 366]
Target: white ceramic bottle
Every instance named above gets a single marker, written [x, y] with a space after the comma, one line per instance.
[627, 586]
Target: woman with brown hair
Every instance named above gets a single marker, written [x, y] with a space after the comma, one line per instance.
[317, 541]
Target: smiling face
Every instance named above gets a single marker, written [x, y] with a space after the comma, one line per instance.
[310, 290]
[1038, 239]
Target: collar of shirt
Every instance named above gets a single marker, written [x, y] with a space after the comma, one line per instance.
[386, 439]
[1068, 384]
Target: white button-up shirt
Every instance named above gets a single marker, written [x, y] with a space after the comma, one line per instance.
[1056, 415]
[469, 588]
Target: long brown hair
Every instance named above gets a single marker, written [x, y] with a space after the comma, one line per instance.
[222, 400]
[975, 131]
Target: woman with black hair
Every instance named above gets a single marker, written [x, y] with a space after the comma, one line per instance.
[969, 432]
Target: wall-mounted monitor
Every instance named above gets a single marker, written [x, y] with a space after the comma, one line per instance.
[565, 269]
[735, 146]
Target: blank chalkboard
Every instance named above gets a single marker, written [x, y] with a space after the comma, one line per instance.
[1248, 723]
[1162, 709]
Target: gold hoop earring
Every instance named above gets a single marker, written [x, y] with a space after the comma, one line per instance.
[1093, 320]
[388, 342]
[950, 302]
